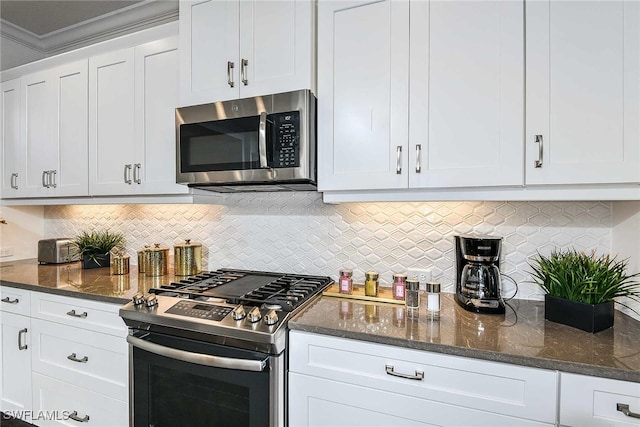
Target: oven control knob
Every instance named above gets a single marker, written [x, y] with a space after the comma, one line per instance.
[238, 313]
[254, 315]
[271, 318]
[152, 301]
[138, 299]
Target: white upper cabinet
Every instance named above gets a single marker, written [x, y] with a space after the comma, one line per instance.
[132, 100]
[10, 131]
[466, 118]
[237, 49]
[53, 143]
[427, 99]
[363, 89]
[156, 97]
[583, 92]
[111, 123]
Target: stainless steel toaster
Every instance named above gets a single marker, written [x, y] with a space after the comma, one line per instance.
[56, 251]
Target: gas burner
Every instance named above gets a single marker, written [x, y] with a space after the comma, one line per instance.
[268, 306]
[249, 288]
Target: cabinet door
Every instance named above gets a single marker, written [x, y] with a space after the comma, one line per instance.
[209, 67]
[276, 46]
[70, 134]
[466, 108]
[12, 154]
[583, 92]
[323, 403]
[156, 84]
[111, 123]
[363, 60]
[37, 124]
[16, 362]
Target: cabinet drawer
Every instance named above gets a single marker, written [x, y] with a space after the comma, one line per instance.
[93, 315]
[488, 386]
[14, 300]
[590, 401]
[59, 399]
[325, 403]
[101, 361]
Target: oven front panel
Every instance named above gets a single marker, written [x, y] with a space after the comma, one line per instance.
[170, 392]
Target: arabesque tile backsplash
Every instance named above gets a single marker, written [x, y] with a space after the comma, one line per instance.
[297, 232]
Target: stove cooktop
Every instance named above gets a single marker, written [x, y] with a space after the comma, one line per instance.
[246, 309]
[279, 291]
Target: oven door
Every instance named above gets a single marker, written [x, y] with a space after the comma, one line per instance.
[177, 381]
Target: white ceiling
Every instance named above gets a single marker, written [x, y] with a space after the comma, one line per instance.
[33, 30]
[43, 17]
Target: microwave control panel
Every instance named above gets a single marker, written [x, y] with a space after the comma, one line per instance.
[286, 141]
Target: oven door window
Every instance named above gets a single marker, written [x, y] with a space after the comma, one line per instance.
[170, 392]
[221, 145]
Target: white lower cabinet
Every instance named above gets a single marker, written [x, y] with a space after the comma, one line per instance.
[589, 401]
[66, 404]
[16, 363]
[64, 359]
[341, 382]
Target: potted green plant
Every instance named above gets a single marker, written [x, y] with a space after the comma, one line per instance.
[580, 289]
[94, 247]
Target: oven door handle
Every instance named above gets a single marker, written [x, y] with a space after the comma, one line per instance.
[198, 358]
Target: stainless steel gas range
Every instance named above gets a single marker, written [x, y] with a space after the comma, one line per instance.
[211, 350]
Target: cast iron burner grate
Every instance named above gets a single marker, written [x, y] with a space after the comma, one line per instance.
[251, 288]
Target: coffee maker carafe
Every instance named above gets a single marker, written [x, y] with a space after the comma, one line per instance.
[478, 273]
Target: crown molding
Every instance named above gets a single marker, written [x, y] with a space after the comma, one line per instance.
[120, 22]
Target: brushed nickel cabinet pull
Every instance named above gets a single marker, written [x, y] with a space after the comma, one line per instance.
[74, 358]
[73, 313]
[74, 416]
[10, 301]
[399, 159]
[243, 71]
[419, 376]
[538, 140]
[21, 333]
[14, 181]
[45, 179]
[418, 158]
[624, 408]
[136, 173]
[52, 178]
[230, 66]
[127, 174]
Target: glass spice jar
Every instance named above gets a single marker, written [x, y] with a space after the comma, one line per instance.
[399, 284]
[345, 282]
[412, 299]
[433, 300]
[371, 283]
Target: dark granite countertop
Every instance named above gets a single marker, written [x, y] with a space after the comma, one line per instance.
[72, 280]
[521, 336]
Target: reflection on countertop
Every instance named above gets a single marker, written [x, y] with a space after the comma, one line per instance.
[521, 336]
[72, 280]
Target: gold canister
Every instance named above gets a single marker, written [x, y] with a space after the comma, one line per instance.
[143, 259]
[158, 261]
[187, 258]
[119, 264]
[371, 283]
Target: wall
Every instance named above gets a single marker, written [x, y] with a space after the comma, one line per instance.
[25, 226]
[297, 232]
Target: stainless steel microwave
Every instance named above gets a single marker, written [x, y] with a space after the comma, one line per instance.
[266, 143]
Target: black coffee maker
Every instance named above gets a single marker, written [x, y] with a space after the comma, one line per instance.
[478, 273]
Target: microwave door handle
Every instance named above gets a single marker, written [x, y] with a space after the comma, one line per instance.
[198, 358]
[262, 140]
